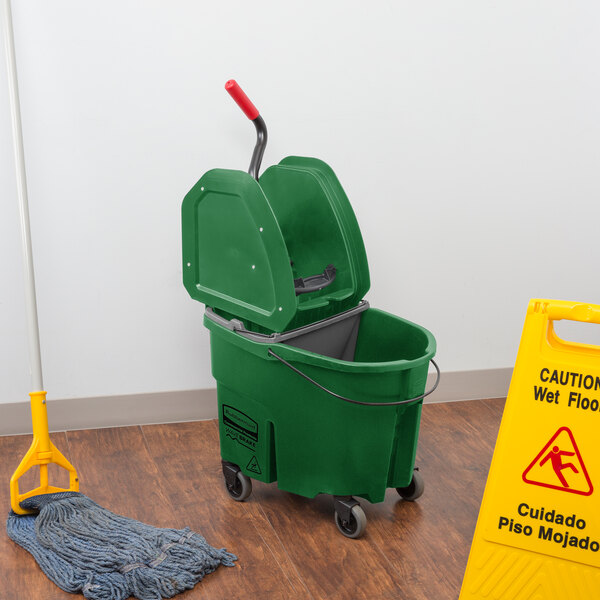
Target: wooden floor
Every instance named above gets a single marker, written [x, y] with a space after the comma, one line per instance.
[288, 546]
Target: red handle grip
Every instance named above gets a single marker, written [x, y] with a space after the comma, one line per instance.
[236, 92]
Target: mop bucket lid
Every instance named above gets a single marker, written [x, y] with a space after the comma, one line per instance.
[280, 252]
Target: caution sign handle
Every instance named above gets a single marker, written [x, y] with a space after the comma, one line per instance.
[557, 310]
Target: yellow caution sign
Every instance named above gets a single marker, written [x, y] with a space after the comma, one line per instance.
[538, 531]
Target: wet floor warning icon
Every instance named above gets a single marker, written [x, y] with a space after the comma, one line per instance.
[559, 466]
[253, 466]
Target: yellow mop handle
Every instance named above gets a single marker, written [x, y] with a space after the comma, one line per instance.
[41, 452]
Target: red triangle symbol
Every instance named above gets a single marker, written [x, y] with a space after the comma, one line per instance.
[559, 466]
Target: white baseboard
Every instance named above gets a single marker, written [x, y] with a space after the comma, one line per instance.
[113, 411]
[197, 405]
[470, 385]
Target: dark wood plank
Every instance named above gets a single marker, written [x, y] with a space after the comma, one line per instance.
[188, 457]
[117, 472]
[333, 566]
[165, 480]
[428, 541]
[414, 551]
[288, 546]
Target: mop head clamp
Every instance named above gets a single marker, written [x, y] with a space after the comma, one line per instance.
[84, 548]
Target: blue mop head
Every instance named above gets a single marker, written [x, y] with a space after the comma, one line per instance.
[83, 547]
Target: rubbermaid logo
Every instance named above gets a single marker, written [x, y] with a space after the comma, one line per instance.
[240, 421]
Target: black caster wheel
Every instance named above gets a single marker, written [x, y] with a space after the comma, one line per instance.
[238, 485]
[355, 525]
[414, 489]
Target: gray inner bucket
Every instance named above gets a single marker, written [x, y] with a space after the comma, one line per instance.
[337, 340]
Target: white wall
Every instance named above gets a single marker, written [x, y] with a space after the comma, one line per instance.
[466, 135]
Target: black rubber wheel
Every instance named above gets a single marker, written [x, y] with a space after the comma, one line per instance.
[241, 488]
[355, 526]
[414, 489]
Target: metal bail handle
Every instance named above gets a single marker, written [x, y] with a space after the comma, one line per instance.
[321, 387]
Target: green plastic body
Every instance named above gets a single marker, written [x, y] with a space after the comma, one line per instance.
[279, 427]
[245, 242]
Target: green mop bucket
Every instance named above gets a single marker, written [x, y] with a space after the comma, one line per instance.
[316, 390]
[278, 426]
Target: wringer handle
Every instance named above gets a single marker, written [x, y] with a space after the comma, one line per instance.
[236, 92]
